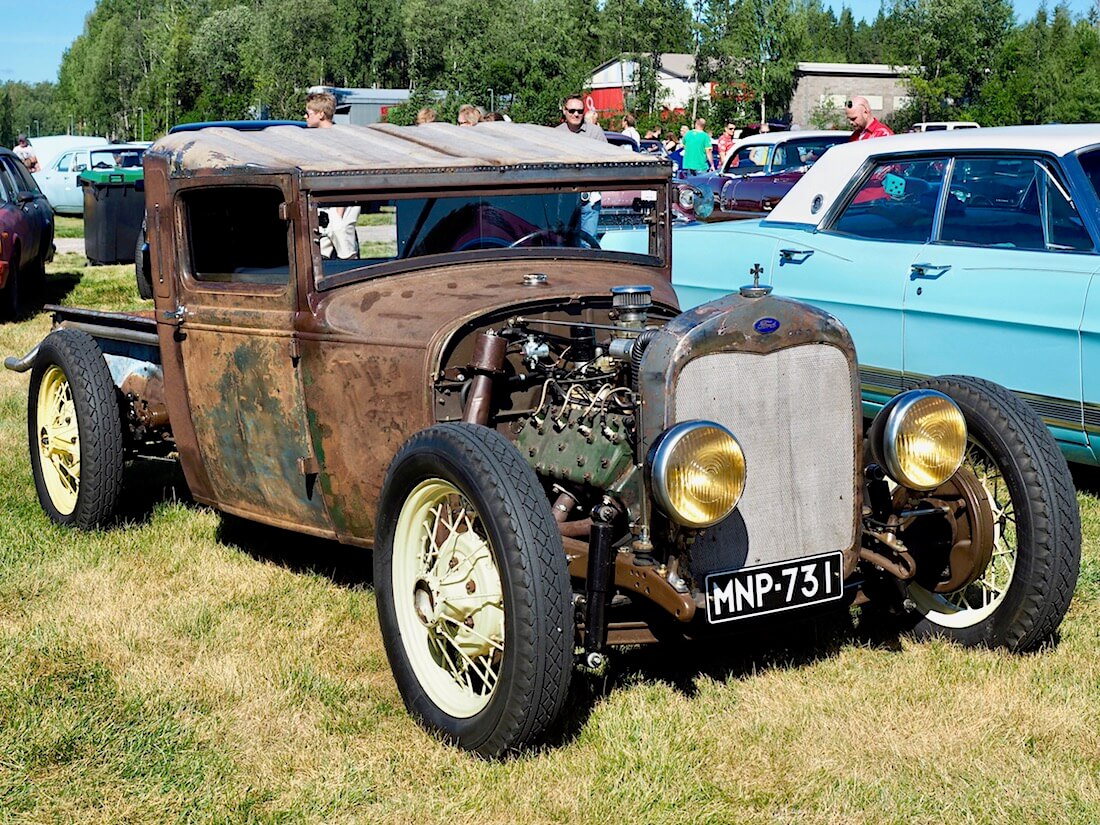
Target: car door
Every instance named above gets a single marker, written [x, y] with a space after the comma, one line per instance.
[856, 266]
[237, 302]
[1000, 293]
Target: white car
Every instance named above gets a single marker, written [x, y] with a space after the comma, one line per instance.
[60, 181]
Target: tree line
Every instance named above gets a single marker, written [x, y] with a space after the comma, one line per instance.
[141, 66]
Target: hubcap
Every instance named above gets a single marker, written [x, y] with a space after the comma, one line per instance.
[978, 600]
[58, 440]
[448, 598]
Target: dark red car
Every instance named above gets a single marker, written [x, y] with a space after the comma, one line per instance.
[26, 233]
[758, 172]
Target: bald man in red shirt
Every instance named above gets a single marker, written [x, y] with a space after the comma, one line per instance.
[864, 125]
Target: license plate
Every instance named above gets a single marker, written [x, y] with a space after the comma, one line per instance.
[770, 588]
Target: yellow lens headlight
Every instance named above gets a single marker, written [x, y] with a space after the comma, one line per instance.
[697, 472]
[923, 440]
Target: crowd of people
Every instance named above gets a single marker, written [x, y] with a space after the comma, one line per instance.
[699, 152]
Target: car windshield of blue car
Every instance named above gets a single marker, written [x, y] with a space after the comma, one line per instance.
[357, 235]
[117, 158]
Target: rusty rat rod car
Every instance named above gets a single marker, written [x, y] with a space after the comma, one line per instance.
[545, 455]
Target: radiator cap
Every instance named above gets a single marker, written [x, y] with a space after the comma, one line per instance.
[754, 290]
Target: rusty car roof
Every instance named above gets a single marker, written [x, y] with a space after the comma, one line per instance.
[387, 149]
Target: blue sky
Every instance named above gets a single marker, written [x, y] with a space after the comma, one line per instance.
[34, 37]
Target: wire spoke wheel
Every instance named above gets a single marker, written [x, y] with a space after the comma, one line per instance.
[1018, 600]
[58, 439]
[449, 599]
[473, 590]
[978, 600]
[74, 431]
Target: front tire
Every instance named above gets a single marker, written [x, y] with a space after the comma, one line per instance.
[473, 590]
[74, 430]
[1025, 590]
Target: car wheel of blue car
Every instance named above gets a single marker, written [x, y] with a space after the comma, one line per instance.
[473, 590]
[1023, 592]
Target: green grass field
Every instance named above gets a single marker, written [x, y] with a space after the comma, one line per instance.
[182, 669]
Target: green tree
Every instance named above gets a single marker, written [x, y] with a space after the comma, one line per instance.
[7, 131]
[754, 44]
[951, 47]
[219, 53]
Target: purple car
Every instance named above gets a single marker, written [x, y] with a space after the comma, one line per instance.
[756, 174]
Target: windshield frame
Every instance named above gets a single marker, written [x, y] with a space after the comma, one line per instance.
[658, 228]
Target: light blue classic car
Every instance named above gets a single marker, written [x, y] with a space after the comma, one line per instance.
[967, 252]
[60, 181]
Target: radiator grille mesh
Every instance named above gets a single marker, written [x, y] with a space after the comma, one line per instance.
[792, 412]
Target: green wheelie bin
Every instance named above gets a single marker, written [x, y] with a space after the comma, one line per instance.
[114, 207]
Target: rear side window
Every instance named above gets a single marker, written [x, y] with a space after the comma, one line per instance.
[1012, 203]
[896, 202]
[236, 235]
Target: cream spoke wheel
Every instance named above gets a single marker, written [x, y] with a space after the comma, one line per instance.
[473, 589]
[59, 440]
[978, 600]
[450, 603]
[74, 430]
[1028, 516]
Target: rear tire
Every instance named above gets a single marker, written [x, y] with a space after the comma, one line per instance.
[74, 429]
[473, 590]
[1026, 588]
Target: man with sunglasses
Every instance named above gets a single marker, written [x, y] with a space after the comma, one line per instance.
[725, 142]
[864, 125]
[573, 110]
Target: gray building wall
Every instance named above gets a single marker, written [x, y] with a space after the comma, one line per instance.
[883, 86]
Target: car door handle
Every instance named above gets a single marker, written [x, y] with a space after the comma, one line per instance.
[794, 256]
[928, 271]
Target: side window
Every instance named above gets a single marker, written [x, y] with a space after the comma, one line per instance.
[746, 160]
[64, 162]
[896, 202]
[9, 172]
[236, 235]
[1062, 225]
[1011, 203]
[24, 180]
[6, 195]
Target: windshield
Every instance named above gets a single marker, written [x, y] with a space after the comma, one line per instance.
[357, 236]
[117, 158]
[787, 155]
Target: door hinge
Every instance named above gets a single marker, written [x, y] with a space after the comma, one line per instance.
[175, 316]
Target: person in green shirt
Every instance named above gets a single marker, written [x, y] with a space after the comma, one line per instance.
[697, 149]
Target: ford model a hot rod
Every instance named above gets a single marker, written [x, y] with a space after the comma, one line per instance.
[546, 457]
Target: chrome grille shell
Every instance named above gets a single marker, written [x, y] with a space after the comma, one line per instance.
[788, 388]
